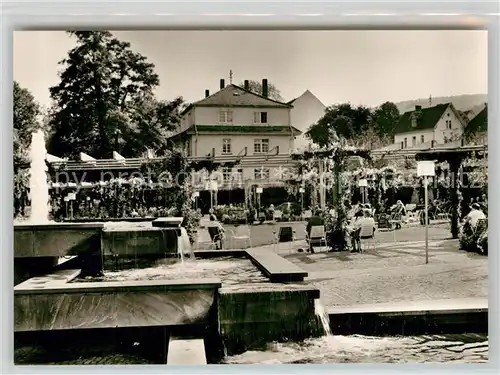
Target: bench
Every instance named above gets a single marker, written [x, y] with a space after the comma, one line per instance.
[274, 267]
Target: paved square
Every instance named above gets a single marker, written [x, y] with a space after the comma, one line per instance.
[394, 271]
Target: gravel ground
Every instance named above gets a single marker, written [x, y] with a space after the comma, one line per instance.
[396, 271]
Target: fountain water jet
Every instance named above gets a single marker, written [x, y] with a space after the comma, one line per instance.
[39, 186]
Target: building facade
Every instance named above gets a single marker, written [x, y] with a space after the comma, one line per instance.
[307, 110]
[439, 125]
[237, 125]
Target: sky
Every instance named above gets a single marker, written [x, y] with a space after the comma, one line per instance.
[361, 67]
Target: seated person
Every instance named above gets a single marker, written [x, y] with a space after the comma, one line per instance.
[474, 216]
[361, 218]
[217, 237]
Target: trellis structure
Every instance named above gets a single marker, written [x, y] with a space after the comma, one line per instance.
[454, 157]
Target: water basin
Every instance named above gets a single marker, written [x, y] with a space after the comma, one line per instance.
[463, 348]
[231, 271]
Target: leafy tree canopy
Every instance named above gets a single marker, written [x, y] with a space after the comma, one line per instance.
[359, 125]
[346, 120]
[256, 87]
[386, 118]
[104, 101]
[25, 121]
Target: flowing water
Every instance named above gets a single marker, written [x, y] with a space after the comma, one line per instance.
[465, 348]
[39, 187]
[231, 271]
[323, 317]
[331, 349]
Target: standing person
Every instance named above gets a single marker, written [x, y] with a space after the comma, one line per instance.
[399, 212]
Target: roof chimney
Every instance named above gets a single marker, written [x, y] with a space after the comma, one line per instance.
[222, 84]
[265, 89]
[207, 93]
[418, 108]
[247, 85]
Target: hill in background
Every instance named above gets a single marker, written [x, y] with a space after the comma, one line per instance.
[473, 102]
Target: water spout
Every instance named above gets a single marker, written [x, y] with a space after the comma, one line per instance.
[324, 318]
[184, 245]
[39, 186]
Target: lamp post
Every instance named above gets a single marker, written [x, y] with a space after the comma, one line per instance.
[425, 169]
[196, 195]
[71, 198]
[301, 191]
[259, 192]
[363, 183]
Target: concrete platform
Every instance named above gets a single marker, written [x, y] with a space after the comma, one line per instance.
[136, 242]
[220, 253]
[49, 281]
[276, 268]
[27, 288]
[412, 318]
[56, 239]
[186, 352]
[167, 222]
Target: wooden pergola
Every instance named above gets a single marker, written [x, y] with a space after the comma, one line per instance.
[454, 157]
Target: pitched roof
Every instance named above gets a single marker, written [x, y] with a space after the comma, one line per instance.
[236, 96]
[479, 123]
[427, 120]
[306, 93]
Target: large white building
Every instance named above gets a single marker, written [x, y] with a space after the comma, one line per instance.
[235, 124]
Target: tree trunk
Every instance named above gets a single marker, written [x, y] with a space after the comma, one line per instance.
[454, 201]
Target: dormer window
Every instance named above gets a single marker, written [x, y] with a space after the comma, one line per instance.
[414, 121]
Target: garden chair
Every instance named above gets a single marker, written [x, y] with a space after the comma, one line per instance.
[277, 215]
[285, 234]
[481, 226]
[203, 237]
[241, 233]
[307, 214]
[413, 217]
[216, 236]
[317, 236]
[367, 236]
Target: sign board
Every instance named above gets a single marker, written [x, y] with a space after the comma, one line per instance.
[196, 194]
[301, 190]
[426, 168]
[71, 196]
[363, 182]
[258, 190]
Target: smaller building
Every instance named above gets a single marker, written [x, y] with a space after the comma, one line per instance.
[441, 124]
[307, 110]
[477, 129]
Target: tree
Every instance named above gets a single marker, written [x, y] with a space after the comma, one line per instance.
[25, 121]
[347, 121]
[104, 101]
[386, 119]
[272, 91]
[149, 121]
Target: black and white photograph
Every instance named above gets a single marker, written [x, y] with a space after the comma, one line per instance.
[200, 197]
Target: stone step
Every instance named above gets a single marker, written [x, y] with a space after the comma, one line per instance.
[186, 352]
